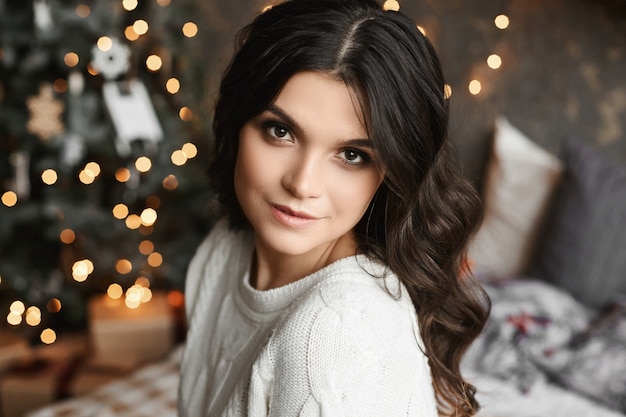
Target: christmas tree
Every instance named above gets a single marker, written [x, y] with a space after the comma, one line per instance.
[104, 121]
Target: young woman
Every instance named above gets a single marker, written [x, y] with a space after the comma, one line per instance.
[332, 287]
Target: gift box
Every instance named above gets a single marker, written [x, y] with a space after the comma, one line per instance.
[33, 385]
[13, 349]
[40, 378]
[127, 337]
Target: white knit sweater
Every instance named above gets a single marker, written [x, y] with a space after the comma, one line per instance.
[334, 343]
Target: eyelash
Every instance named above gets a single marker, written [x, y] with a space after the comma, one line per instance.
[268, 125]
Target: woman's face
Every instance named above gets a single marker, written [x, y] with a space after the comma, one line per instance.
[305, 171]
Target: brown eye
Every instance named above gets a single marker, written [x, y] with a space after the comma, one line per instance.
[279, 131]
[351, 155]
[354, 157]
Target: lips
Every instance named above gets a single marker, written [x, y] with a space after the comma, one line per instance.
[294, 213]
[292, 218]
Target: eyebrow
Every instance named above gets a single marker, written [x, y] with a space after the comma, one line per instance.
[279, 112]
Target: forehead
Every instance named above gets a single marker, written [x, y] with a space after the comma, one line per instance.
[318, 101]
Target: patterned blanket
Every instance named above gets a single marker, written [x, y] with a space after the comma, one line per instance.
[539, 339]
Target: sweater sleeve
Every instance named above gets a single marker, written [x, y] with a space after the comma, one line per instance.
[355, 353]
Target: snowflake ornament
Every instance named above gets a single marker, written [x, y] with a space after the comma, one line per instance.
[45, 114]
[113, 62]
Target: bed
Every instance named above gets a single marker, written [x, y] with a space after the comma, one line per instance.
[551, 253]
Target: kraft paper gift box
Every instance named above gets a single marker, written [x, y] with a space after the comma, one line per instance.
[126, 337]
[35, 384]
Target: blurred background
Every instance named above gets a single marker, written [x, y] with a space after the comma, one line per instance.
[105, 116]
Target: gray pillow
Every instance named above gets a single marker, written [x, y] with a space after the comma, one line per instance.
[583, 247]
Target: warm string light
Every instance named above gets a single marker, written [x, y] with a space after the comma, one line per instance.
[180, 156]
[172, 86]
[104, 43]
[71, 59]
[129, 5]
[136, 295]
[48, 336]
[140, 27]
[60, 86]
[120, 211]
[146, 247]
[115, 291]
[501, 21]
[89, 173]
[122, 174]
[130, 34]
[49, 176]
[67, 236]
[190, 29]
[155, 259]
[16, 309]
[54, 305]
[33, 316]
[185, 114]
[475, 87]
[82, 269]
[139, 293]
[143, 164]
[391, 5]
[123, 266]
[133, 222]
[170, 182]
[494, 61]
[92, 70]
[18, 313]
[147, 218]
[83, 11]
[154, 63]
[9, 198]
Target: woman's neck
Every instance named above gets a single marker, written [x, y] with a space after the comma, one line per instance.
[271, 269]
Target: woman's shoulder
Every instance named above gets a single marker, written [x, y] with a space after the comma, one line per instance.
[215, 255]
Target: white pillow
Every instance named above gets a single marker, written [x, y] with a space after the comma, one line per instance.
[519, 181]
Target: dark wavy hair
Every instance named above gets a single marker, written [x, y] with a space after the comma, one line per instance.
[424, 212]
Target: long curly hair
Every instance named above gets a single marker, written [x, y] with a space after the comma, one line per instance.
[425, 211]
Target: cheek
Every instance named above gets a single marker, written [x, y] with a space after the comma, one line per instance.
[353, 197]
[244, 168]
[253, 166]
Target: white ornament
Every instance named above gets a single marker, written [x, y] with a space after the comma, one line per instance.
[113, 62]
[43, 15]
[20, 182]
[72, 151]
[133, 115]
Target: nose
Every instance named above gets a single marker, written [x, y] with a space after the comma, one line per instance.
[304, 177]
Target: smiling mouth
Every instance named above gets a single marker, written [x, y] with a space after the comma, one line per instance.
[294, 213]
[291, 218]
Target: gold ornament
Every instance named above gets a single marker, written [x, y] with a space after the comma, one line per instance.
[45, 114]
